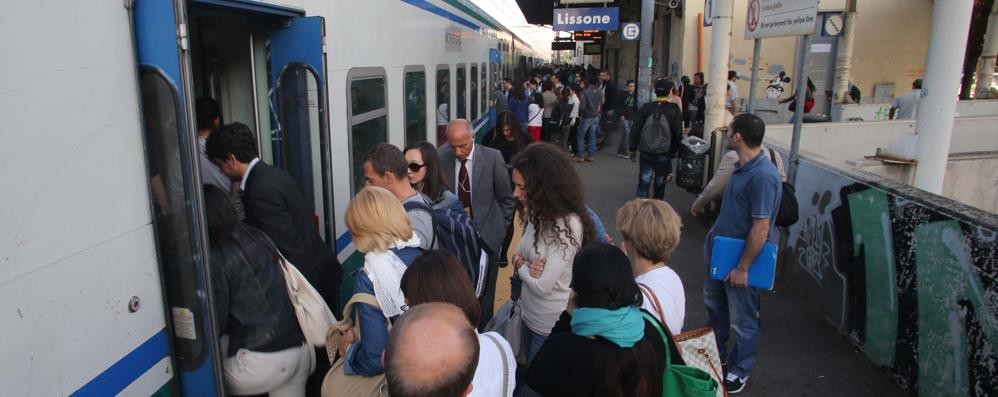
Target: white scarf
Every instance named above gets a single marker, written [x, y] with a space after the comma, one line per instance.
[385, 270]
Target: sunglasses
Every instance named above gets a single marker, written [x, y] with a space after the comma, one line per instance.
[415, 167]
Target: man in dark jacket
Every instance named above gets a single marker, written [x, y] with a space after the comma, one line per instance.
[275, 205]
[656, 155]
[627, 108]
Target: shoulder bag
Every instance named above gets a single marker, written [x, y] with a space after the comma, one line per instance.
[508, 322]
[337, 383]
[682, 380]
[698, 347]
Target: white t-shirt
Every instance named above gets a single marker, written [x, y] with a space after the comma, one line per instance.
[907, 105]
[534, 118]
[666, 285]
[733, 94]
[488, 380]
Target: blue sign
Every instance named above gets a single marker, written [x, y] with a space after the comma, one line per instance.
[494, 55]
[569, 19]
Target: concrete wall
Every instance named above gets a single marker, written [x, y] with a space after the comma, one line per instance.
[971, 178]
[911, 278]
[881, 111]
[836, 143]
[891, 43]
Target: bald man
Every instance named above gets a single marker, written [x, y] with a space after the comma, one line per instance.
[479, 177]
[432, 351]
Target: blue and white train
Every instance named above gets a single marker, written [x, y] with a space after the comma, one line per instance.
[102, 242]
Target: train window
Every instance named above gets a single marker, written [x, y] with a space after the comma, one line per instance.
[368, 117]
[415, 104]
[462, 94]
[474, 93]
[443, 101]
[485, 89]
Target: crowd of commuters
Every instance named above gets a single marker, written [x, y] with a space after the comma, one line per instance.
[589, 309]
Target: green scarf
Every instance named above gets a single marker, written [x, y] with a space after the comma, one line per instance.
[624, 327]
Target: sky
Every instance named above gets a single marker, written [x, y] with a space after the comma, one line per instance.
[509, 14]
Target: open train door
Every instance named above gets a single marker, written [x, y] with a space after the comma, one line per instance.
[172, 152]
[300, 129]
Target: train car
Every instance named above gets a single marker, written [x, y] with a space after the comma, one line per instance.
[103, 257]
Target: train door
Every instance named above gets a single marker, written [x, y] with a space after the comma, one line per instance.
[298, 112]
[161, 46]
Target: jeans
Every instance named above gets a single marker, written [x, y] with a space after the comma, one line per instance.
[734, 308]
[281, 373]
[532, 342]
[659, 165]
[587, 130]
[625, 137]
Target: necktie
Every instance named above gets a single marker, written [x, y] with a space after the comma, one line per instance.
[464, 185]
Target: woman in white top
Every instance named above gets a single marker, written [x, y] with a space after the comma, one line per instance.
[535, 118]
[550, 191]
[650, 231]
[437, 276]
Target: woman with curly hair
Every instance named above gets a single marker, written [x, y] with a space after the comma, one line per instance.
[557, 226]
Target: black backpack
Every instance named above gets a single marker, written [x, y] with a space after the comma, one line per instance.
[656, 136]
[788, 213]
[456, 232]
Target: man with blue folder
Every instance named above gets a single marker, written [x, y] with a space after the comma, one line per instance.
[750, 203]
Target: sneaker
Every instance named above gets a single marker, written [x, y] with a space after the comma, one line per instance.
[579, 159]
[589, 158]
[623, 156]
[734, 383]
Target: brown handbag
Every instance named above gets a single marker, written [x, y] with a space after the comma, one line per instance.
[337, 383]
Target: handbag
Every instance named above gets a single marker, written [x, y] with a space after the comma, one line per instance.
[682, 380]
[698, 347]
[508, 322]
[313, 314]
[337, 383]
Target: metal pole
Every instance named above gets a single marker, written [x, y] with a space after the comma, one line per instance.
[804, 62]
[843, 61]
[644, 51]
[943, 69]
[756, 49]
[717, 65]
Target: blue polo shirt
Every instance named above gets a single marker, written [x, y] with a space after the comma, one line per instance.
[753, 192]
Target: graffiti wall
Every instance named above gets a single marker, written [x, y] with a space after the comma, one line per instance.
[910, 277]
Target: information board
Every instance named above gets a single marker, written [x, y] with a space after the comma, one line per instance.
[775, 18]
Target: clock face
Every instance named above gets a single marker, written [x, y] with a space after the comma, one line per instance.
[833, 25]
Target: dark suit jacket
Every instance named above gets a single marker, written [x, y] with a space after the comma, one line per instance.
[492, 203]
[274, 204]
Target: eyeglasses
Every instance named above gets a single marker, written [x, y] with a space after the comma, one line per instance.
[415, 167]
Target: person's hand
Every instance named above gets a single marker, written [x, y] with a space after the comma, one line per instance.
[737, 278]
[345, 340]
[696, 210]
[571, 303]
[537, 268]
[517, 262]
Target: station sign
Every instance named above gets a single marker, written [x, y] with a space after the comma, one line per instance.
[775, 18]
[596, 18]
[630, 31]
[592, 49]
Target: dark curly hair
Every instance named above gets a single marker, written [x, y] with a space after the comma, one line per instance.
[554, 191]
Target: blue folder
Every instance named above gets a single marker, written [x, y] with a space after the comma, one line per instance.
[728, 251]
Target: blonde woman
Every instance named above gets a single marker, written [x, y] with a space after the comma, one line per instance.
[651, 231]
[382, 232]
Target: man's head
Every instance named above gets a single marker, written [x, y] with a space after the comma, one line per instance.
[431, 351]
[232, 148]
[604, 75]
[208, 114]
[594, 81]
[917, 84]
[460, 139]
[385, 166]
[555, 79]
[746, 131]
[662, 88]
[630, 86]
[507, 83]
[732, 75]
[698, 78]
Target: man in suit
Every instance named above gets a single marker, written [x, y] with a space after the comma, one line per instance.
[480, 179]
[274, 204]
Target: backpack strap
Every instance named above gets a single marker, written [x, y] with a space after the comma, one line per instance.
[772, 157]
[423, 206]
[505, 364]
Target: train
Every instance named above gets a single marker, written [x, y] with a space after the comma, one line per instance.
[103, 257]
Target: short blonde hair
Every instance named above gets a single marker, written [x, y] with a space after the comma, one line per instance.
[376, 219]
[650, 227]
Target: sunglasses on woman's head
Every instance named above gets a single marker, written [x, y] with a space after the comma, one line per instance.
[415, 167]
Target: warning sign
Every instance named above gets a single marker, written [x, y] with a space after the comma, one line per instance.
[774, 18]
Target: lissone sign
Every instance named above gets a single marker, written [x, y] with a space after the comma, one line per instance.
[596, 18]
